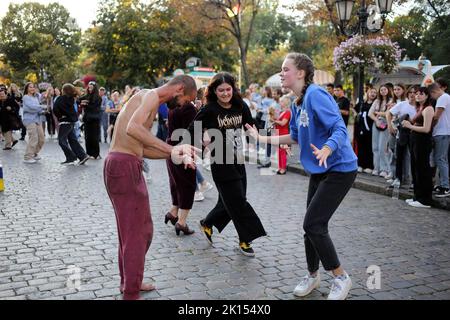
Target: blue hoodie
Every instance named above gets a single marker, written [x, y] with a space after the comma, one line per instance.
[318, 121]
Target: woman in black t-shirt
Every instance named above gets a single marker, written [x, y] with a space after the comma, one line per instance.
[222, 120]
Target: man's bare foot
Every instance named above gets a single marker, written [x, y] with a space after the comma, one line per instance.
[145, 287]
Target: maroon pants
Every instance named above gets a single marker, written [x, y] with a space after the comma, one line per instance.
[128, 193]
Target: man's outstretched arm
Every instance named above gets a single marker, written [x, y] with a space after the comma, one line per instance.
[137, 129]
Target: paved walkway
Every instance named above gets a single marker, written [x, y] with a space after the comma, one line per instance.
[55, 219]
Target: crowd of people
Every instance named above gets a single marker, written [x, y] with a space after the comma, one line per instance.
[68, 113]
[213, 126]
[401, 134]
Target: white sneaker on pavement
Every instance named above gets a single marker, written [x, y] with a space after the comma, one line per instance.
[307, 285]
[417, 204]
[207, 187]
[408, 201]
[30, 161]
[199, 196]
[368, 171]
[340, 288]
[375, 173]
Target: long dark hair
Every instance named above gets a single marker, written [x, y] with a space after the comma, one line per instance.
[305, 63]
[95, 92]
[218, 80]
[427, 102]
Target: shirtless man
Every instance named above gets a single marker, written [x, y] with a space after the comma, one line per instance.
[125, 183]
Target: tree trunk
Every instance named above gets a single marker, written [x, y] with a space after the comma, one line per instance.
[245, 69]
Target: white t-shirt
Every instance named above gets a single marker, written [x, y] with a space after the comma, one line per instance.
[442, 128]
[402, 108]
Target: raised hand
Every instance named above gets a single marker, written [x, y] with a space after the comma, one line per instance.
[185, 154]
[321, 155]
[252, 131]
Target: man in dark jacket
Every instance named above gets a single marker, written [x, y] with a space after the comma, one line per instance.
[9, 118]
[64, 110]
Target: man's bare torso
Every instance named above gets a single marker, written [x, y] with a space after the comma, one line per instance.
[124, 143]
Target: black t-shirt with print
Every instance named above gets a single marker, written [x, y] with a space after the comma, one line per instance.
[225, 129]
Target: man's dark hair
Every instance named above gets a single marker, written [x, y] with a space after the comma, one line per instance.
[339, 86]
[443, 83]
[330, 85]
[187, 81]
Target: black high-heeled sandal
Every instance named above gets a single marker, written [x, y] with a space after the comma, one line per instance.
[179, 228]
[171, 218]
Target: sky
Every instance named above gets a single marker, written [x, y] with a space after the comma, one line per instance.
[84, 11]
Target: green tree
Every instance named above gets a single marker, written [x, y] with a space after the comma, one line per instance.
[36, 38]
[138, 43]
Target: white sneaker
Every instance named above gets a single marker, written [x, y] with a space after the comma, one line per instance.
[383, 174]
[199, 196]
[360, 169]
[417, 204]
[208, 187]
[375, 173]
[307, 285]
[368, 171]
[31, 161]
[409, 200]
[396, 183]
[340, 288]
[37, 158]
[389, 176]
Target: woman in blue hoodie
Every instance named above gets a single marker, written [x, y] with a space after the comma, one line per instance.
[326, 154]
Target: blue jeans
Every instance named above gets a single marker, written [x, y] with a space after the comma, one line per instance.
[380, 149]
[104, 125]
[441, 148]
[199, 177]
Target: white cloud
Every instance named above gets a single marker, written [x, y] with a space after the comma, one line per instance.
[84, 11]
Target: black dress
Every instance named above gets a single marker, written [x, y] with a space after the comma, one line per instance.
[91, 120]
[363, 136]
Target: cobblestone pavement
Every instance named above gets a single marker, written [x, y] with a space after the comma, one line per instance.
[55, 219]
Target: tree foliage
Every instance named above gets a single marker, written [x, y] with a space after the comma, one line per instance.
[39, 39]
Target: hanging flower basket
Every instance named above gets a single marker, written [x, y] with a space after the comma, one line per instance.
[378, 54]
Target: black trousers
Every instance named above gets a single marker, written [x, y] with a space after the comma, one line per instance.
[421, 146]
[92, 137]
[23, 133]
[401, 152]
[325, 194]
[69, 143]
[233, 206]
[365, 154]
[269, 147]
[51, 125]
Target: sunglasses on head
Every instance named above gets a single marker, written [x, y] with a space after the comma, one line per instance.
[92, 83]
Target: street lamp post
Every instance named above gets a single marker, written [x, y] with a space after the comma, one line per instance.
[362, 28]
